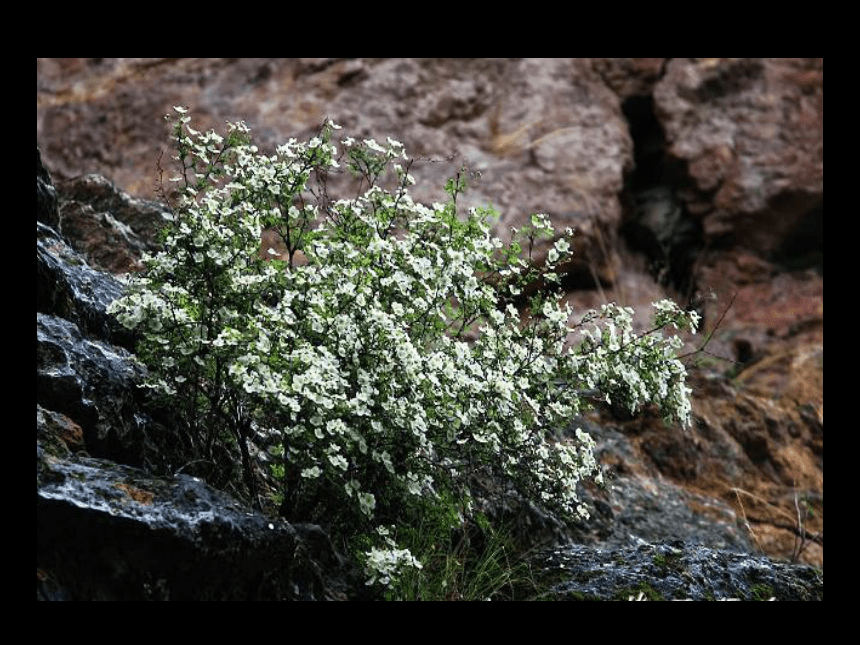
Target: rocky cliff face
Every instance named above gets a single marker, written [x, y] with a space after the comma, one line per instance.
[698, 179]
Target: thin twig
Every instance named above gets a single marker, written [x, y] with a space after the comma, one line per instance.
[710, 335]
[796, 526]
[746, 521]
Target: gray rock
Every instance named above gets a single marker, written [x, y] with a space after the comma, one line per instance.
[66, 286]
[46, 194]
[105, 531]
[674, 570]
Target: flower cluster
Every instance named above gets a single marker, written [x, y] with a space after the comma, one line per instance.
[390, 364]
[386, 564]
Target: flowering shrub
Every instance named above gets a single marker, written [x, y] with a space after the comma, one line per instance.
[388, 365]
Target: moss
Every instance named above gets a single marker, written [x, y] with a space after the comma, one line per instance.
[762, 592]
[666, 561]
[578, 595]
[643, 588]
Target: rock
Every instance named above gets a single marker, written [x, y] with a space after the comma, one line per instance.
[638, 504]
[751, 134]
[659, 227]
[748, 475]
[532, 128]
[108, 226]
[58, 433]
[46, 194]
[66, 286]
[93, 383]
[105, 531]
[738, 141]
[643, 500]
[675, 570]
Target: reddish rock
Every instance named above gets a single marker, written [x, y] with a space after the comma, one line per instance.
[751, 132]
[532, 128]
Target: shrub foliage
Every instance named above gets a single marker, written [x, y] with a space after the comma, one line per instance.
[377, 355]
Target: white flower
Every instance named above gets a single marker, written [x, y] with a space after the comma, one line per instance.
[383, 565]
[367, 502]
[338, 461]
[372, 145]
